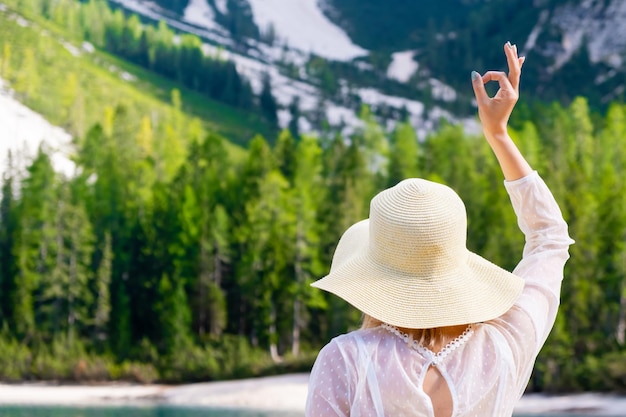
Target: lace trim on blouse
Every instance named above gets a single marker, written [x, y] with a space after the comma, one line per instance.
[435, 358]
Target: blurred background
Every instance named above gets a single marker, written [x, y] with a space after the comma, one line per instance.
[175, 173]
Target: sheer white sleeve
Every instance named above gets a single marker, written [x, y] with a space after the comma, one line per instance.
[330, 391]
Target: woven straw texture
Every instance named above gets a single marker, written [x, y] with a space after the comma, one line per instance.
[408, 264]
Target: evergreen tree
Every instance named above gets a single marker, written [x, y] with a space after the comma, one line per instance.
[33, 239]
[404, 154]
[204, 240]
[64, 289]
[108, 157]
[8, 229]
[373, 143]
[173, 316]
[120, 327]
[294, 122]
[285, 154]
[266, 258]
[269, 107]
[94, 15]
[307, 194]
[102, 313]
[239, 20]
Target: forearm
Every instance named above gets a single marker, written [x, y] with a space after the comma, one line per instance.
[545, 252]
[539, 216]
[513, 164]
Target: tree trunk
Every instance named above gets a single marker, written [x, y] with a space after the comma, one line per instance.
[620, 330]
[297, 304]
[71, 313]
[621, 322]
[216, 324]
[202, 289]
[273, 337]
[295, 333]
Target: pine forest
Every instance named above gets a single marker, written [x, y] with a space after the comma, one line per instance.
[183, 249]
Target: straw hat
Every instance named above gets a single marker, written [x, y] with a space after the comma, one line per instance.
[408, 264]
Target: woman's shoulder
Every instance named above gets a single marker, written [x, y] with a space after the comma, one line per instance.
[356, 338]
[348, 347]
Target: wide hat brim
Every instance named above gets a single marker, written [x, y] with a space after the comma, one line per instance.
[475, 291]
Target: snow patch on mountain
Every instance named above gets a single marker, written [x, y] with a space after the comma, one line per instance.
[441, 91]
[198, 12]
[402, 66]
[303, 26]
[375, 98]
[284, 88]
[222, 6]
[23, 131]
[340, 115]
[599, 26]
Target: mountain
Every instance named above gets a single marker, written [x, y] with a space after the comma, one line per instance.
[405, 58]
[573, 47]
[313, 65]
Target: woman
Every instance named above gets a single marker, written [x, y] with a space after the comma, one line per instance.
[446, 332]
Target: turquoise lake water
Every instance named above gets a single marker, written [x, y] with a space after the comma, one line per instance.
[133, 412]
[161, 412]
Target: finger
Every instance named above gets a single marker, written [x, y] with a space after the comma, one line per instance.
[500, 77]
[479, 88]
[521, 59]
[514, 65]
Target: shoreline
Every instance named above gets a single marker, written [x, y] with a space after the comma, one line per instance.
[274, 393]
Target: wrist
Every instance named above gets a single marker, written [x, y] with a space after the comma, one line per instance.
[497, 136]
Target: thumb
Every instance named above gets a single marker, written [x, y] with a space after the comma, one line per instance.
[479, 88]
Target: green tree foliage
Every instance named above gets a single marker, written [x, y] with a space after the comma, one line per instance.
[156, 48]
[27, 79]
[102, 295]
[65, 295]
[8, 227]
[123, 261]
[33, 246]
[269, 106]
[239, 21]
[404, 155]
[5, 61]
[169, 256]
[308, 192]
[204, 237]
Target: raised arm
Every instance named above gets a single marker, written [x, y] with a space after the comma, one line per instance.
[527, 324]
[494, 113]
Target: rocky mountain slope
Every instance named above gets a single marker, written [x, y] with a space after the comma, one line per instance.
[405, 59]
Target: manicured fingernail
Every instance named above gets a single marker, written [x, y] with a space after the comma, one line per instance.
[475, 75]
[508, 44]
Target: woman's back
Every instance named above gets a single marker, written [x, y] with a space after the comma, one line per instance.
[385, 376]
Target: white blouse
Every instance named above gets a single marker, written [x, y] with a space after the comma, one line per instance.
[374, 372]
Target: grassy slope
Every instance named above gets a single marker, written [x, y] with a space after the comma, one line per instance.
[101, 85]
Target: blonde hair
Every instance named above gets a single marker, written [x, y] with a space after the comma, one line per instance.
[429, 338]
